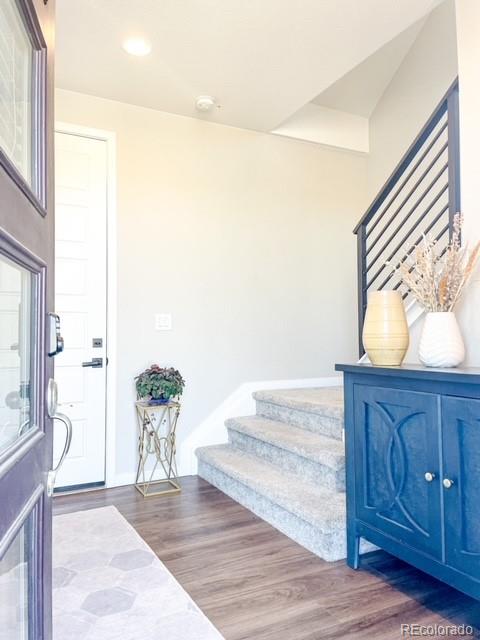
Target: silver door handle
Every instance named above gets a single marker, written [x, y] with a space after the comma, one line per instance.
[52, 403]
[52, 474]
[95, 363]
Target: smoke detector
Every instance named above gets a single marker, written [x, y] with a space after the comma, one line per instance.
[205, 103]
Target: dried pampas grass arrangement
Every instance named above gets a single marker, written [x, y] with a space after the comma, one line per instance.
[437, 279]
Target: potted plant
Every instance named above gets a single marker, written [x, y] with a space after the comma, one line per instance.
[158, 385]
[437, 278]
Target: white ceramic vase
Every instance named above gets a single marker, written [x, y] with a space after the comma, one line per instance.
[385, 330]
[441, 343]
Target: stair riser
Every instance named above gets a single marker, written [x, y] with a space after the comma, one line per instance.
[330, 546]
[327, 477]
[325, 425]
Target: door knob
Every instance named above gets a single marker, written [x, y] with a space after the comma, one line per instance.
[429, 476]
[95, 363]
[447, 483]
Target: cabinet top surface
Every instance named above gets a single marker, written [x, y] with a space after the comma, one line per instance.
[458, 374]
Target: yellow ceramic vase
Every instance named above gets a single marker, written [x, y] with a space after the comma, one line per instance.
[385, 330]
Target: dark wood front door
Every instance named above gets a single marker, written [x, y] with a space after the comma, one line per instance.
[26, 297]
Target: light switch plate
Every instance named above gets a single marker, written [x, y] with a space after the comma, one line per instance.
[163, 322]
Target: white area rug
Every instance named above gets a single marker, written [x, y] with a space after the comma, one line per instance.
[108, 585]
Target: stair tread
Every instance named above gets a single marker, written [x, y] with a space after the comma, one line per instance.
[327, 401]
[323, 508]
[307, 444]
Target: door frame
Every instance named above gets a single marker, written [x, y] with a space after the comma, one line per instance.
[110, 138]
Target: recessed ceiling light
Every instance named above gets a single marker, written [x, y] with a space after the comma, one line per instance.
[137, 46]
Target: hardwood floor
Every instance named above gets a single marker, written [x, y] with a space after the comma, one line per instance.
[254, 583]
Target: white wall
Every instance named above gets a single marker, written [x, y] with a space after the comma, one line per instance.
[468, 21]
[448, 45]
[246, 238]
[327, 126]
[422, 79]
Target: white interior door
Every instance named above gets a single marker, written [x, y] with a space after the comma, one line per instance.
[81, 302]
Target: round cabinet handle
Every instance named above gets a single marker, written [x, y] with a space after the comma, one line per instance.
[429, 477]
[447, 483]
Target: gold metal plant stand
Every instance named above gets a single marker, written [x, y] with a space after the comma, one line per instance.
[156, 443]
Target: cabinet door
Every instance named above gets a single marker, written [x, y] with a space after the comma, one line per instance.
[461, 451]
[396, 444]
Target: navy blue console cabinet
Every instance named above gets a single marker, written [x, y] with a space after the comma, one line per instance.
[412, 440]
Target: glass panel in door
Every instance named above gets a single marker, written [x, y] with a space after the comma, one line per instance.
[16, 62]
[16, 370]
[15, 580]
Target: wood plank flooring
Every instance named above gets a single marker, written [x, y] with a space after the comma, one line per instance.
[254, 583]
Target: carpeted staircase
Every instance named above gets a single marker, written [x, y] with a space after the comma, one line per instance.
[287, 465]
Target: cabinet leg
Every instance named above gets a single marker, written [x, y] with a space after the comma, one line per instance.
[353, 550]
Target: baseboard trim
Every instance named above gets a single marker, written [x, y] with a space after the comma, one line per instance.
[213, 431]
[121, 480]
[78, 488]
